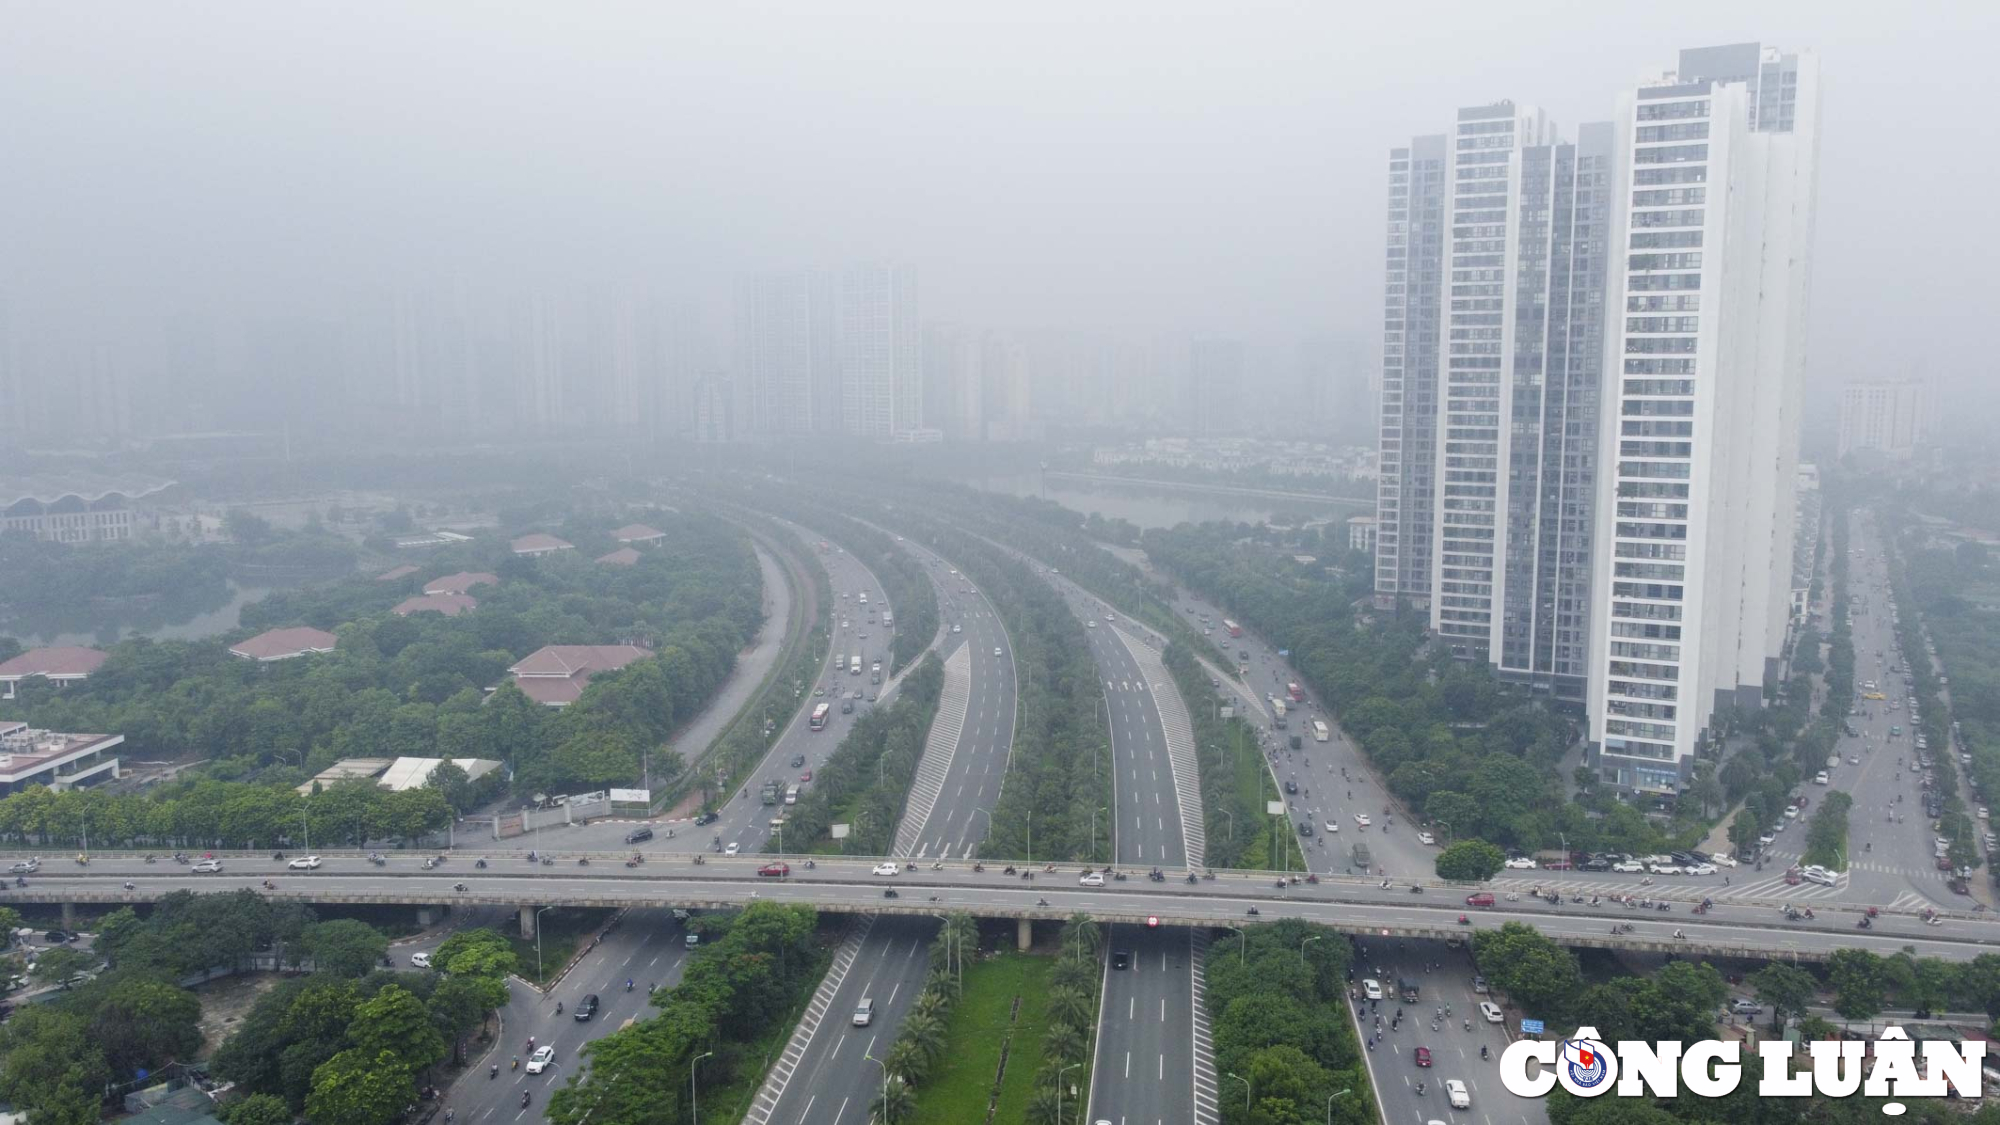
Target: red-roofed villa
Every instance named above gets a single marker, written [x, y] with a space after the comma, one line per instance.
[536, 544]
[61, 664]
[283, 644]
[555, 675]
[461, 583]
[451, 605]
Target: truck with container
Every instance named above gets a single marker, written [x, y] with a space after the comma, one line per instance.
[770, 793]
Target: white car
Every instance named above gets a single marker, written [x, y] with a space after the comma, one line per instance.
[1821, 877]
[1333, 826]
[1521, 863]
[1361, 818]
[540, 1060]
[1666, 869]
[1426, 838]
[1726, 860]
[1455, 1091]
[304, 863]
[1702, 869]
[1371, 989]
[884, 869]
[421, 960]
[208, 867]
[26, 866]
[1091, 879]
[955, 628]
[1090, 624]
[1109, 617]
[1628, 867]
[996, 650]
[732, 849]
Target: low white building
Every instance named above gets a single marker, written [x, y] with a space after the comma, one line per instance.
[53, 758]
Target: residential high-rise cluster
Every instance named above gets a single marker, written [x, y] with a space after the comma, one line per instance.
[1603, 505]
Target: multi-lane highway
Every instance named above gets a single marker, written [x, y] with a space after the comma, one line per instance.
[1444, 1020]
[830, 1070]
[1148, 1069]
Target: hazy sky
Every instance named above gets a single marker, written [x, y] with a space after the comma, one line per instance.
[1156, 166]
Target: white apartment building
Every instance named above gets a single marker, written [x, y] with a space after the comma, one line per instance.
[1891, 417]
[879, 351]
[1406, 489]
[1716, 183]
[1492, 379]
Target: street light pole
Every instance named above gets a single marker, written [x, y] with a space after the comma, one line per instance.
[1059, 1087]
[885, 1077]
[1246, 1089]
[1303, 944]
[1334, 1097]
[1242, 946]
[1093, 827]
[694, 1098]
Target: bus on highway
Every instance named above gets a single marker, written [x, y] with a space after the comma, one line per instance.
[1298, 695]
[1320, 733]
[819, 716]
[1232, 627]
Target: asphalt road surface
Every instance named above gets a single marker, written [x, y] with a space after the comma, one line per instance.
[833, 1080]
[1443, 976]
[1146, 1061]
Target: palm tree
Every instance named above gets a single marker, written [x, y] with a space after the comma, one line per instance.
[1081, 936]
[944, 984]
[1069, 973]
[1063, 1041]
[1045, 1106]
[926, 1034]
[931, 1002]
[905, 1059]
[1070, 1006]
[895, 1103]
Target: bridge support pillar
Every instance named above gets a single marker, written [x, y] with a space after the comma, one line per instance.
[527, 921]
[69, 916]
[1024, 933]
[427, 916]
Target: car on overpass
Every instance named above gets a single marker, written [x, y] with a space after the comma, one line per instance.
[208, 867]
[775, 870]
[304, 863]
[1091, 879]
[884, 869]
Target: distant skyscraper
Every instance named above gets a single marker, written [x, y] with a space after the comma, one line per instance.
[878, 347]
[1888, 417]
[953, 396]
[1406, 493]
[785, 366]
[1215, 388]
[1716, 172]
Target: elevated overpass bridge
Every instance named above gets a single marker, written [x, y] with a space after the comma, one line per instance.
[1731, 928]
